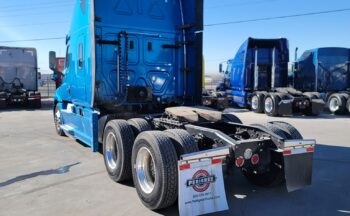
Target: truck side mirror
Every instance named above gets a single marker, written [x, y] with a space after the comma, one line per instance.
[220, 68]
[52, 60]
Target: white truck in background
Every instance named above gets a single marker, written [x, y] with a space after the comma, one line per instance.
[19, 77]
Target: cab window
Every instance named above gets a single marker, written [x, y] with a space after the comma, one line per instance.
[67, 58]
[81, 56]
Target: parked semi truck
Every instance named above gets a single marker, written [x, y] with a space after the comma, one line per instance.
[19, 77]
[257, 78]
[326, 71]
[133, 82]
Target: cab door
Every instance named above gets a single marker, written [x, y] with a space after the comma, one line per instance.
[79, 88]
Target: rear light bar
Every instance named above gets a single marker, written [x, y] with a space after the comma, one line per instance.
[294, 151]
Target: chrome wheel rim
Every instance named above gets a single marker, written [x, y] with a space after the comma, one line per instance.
[111, 151]
[334, 105]
[255, 103]
[268, 105]
[58, 119]
[145, 170]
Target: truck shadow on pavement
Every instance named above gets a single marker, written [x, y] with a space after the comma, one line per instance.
[322, 116]
[58, 171]
[45, 105]
[328, 194]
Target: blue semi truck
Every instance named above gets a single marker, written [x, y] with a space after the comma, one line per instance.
[326, 71]
[131, 88]
[257, 78]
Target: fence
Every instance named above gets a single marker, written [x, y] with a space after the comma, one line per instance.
[47, 86]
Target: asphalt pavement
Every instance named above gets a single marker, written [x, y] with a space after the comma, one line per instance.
[44, 174]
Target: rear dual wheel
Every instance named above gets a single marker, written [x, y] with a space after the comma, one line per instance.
[154, 158]
[151, 159]
[337, 103]
[257, 102]
[271, 104]
[290, 131]
[118, 141]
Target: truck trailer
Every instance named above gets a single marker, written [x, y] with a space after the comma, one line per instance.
[257, 78]
[19, 77]
[132, 88]
[326, 71]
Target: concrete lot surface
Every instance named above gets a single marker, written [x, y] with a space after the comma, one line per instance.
[44, 174]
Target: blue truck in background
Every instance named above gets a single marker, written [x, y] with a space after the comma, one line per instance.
[257, 78]
[132, 88]
[327, 72]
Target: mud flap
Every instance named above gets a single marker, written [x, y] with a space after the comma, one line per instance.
[317, 105]
[298, 170]
[285, 107]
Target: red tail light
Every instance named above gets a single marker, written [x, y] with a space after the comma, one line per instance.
[239, 161]
[310, 149]
[255, 159]
[287, 152]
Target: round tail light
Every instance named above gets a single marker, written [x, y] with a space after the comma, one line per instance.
[255, 159]
[239, 161]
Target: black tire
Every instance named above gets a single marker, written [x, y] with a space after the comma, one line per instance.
[183, 142]
[3, 104]
[118, 140]
[139, 125]
[164, 161]
[229, 117]
[341, 104]
[308, 110]
[289, 129]
[259, 104]
[58, 121]
[348, 105]
[272, 128]
[274, 100]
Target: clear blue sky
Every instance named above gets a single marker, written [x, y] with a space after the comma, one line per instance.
[23, 19]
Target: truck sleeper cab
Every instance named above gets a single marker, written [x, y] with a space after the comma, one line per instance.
[19, 77]
[326, 71]
[131, 82]
[257, 78]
